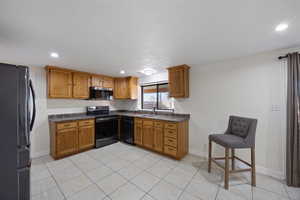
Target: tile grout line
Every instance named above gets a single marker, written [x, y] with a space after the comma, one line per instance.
[115, 171]
[58, 186]
[161, 179]
[87, 178]
[188, 184]
[143, 170]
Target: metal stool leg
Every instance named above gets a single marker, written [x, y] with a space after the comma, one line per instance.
[226, 179]
[209, 155]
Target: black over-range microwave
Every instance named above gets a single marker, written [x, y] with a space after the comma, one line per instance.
[101, 93]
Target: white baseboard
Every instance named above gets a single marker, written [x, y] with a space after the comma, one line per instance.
[259, 169]
[39, 154]
[270, 172]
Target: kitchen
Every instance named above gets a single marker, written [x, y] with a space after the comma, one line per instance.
[98, 127]
[140, 100]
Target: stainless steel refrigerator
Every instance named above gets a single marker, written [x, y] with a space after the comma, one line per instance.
[17, 108]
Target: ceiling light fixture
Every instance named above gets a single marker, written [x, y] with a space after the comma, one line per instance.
[54, 55]
[122, 72]
[148, 71]
[281, 27]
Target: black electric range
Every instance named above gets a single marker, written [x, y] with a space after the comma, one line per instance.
[106, 127]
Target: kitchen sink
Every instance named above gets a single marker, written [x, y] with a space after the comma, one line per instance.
[148, 115]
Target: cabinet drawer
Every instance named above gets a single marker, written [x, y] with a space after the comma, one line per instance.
[86, 123]
[170, 125]
[66, 125]
[148, 122]
[158, 124]
[170, 133]
[170, 150]
[138, 121]
[170, 141]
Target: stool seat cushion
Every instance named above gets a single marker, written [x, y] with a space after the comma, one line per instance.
[228, 140]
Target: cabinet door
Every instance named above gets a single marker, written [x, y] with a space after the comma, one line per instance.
[148, 136]
[121, 88]
[97, 81]
[59, 83]
[108, 82]
[176, 82]
[86, 137]
[66, 142]
[81, 85]
[158, 139]
[133, 82]
[138, 134]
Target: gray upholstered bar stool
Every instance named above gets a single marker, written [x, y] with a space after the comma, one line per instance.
[239, 134]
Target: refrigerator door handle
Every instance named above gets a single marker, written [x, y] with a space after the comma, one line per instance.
[34, 106]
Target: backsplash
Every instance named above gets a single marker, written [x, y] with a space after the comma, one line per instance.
[65, 106]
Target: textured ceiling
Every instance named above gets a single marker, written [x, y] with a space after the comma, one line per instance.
[108, 35]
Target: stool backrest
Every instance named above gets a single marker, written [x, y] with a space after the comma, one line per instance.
[243, 127]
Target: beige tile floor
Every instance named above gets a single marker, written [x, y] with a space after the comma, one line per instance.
[123, 172]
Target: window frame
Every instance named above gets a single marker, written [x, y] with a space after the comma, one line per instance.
[157, 86]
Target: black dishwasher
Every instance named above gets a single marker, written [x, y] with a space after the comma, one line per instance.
[127, 130]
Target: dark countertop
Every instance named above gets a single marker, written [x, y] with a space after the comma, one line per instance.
[174, 117]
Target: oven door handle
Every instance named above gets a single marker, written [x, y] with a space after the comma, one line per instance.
[105, 119]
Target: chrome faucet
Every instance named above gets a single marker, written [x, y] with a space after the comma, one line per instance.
[154, 110]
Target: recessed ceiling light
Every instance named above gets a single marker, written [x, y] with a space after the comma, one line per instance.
[281, 27]
[122, 72]
[54, 55]
[148, 71]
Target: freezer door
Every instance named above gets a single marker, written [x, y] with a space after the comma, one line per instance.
[23, 157]
[24, 184]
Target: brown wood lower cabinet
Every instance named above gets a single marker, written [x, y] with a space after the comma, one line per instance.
[86, 135]
[158, 135]
[148, 133]
[138, 135]
[68, 138]
[169, 138]
[66, 141]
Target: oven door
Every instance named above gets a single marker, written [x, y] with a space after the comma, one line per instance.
[106, 128]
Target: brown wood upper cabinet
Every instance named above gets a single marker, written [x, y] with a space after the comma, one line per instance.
[125, 88]
[81, 84]
[102, 81]
[60, 83]
[67, 83]
[179, 81]
[97, 81]
[108, 82]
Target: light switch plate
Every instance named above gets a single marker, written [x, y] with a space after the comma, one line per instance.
[275, 108]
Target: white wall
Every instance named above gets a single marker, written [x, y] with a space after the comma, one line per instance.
[248, 87]
[159, 77]
[40, 134]
[251, 87]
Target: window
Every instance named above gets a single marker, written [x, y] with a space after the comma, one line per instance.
[156, 96]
